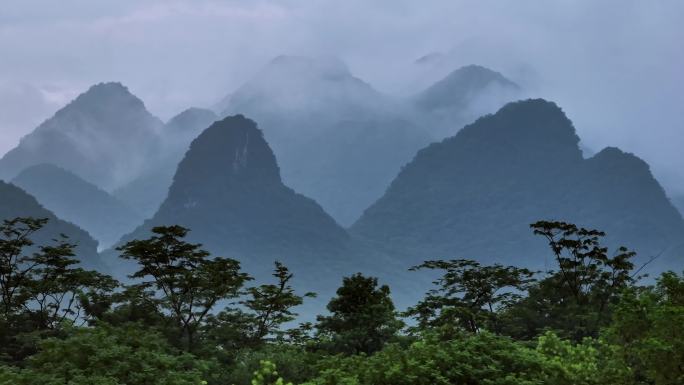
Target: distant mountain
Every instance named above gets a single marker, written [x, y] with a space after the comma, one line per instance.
[299, 94]
[146, 192]
[352, 165]
[228, 190]
[15, 202]
[462, 96]
[474, 195]
[104, 136]
[337, 139]
[73, 199]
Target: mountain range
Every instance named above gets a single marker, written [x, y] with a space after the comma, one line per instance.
[104, 136]
[15, 202]
[228, 191]
[75, 200]
[332, 176]
[146, 192]
[340, 141]
[474, 195]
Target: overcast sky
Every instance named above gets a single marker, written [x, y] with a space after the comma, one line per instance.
[615, 67]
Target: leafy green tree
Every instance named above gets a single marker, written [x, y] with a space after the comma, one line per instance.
[187, 282]
[362, 317]
[264, 310]
[106, 355]
[272, 304]
[591, 362]
[575, 300]
[267, 375]
[295, 363]
[42, 287]
[648, 325]
[481, 358]
[469, 295]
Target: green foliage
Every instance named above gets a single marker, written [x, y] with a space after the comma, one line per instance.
[469, 359]
[106, 355]
[295, 363]
[592, 362]
[267, 375]
[584, 324]
[272, 304]
[42, 287]
[648, 325]
[469, 294]
[188, 282]
[362, 317]
[575, 301]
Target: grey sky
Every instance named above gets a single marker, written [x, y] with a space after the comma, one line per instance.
[615, 66]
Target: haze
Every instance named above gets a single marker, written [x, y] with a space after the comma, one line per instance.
[614, 66]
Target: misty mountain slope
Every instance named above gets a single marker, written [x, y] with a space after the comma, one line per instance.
[336, 138]
[300, 89]
[228, 190]
[352, 165]
[678, 202]
[104, 136]
[15, 202]
[462, 96]
[340, 141]
[474, 195]
[146, 192]
[75, 200]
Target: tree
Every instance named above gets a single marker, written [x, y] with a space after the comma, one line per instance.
[574, 300]
[105, 355]
[469, 294]
[272, 304]
[42, 287]
[648, 325]
[481, 358]
[187, 282]
[265, 309]
[362, 317]
[15, 265]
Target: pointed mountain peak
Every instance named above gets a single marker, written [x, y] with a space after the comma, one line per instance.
[108, 93]
[105, 136]
[534, 125]
[230, 150]
[614, 161]
[228, 190]
[461, 86]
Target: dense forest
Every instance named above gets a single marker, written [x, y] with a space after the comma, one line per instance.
[188, 317]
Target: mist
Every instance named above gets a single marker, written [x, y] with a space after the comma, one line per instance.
[613, 66]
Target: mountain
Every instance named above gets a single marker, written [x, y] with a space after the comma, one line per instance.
[228, 190]
[474, 195]
[75, 200]
[292, 90]
[104, 136]
[678, 202]
[351, 166]
[15, 202]
[146, 192]
[337, 139]
[462, 96]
